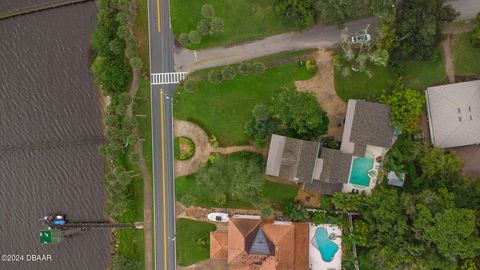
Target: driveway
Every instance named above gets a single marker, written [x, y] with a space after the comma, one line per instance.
[468, 8]
[320, 36]
[471, 156]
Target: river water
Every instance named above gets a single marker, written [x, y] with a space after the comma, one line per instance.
[50, 129]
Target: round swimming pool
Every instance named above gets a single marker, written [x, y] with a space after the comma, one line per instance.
[325, 246]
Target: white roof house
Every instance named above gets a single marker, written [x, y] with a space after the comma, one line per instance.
[454, 114]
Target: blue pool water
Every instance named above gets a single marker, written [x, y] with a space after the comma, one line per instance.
[327, 247]
[359, 172]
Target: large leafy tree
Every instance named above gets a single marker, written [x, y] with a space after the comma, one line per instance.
[303, 11]
[406, 107]
[418, 27]
[301, 113]
[453, 232]
[261, 125]
[441, 169]
[231, 178]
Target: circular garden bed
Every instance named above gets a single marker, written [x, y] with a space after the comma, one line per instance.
[184, 148]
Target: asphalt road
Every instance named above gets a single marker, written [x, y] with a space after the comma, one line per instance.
[161, 60]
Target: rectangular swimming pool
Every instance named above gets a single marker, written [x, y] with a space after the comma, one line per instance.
[359, 172]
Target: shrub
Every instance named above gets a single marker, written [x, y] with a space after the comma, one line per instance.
[257, 68]
[217, 25]
[213, 141]
[478, 17]
[266, 211]
[228, 73]
[184, 40]
[319, 218]
[191, 86]
[221, 199]
[476, 38]
[187, 200]
[434, 57]
[204, 26]
[208, 11]
[295, 212]
[244, 69]
[195, 37]
[310, 66]
[136, 62]
[215, 76]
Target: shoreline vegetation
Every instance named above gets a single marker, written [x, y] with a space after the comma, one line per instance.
[115, 59]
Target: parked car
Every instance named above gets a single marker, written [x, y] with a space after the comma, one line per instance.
[358, 39]
[218, 217]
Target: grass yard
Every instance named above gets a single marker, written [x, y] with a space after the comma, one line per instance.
[140, 30]
[420, 74]
[274, 193]
[193, 241]
[360, 86]
[466, 59]
[224, 109]
[244, 20]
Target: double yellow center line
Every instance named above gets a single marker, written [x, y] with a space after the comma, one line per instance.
[164, 184]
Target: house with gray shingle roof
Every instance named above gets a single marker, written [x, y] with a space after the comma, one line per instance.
[454, 114]
[367, 136]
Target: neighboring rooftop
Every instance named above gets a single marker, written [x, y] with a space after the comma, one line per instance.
[253, 245]
[370, 124]
[454, 114]
[291, 158]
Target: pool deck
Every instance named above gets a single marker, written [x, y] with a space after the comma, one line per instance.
[315, 258]
[371, 152]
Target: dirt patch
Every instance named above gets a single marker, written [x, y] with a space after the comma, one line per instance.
[448, 60]
[308, 199]
[469, 154]
[323, 86]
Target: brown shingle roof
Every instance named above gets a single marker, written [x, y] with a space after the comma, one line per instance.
[371, 124]
[218, 245]
[291, 158]
[336, 166]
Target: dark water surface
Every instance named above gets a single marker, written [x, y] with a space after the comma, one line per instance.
[50, 129]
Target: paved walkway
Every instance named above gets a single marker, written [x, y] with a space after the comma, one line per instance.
[202, 147]
[320, 36]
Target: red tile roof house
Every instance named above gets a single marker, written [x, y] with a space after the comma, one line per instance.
[251, 244]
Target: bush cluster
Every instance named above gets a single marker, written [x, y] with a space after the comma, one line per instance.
[476, 38]
[228, 73]
[209, 25]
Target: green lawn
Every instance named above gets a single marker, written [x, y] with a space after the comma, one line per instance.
[360, 86]
[224, 109]
[244, 20]
[193, 241]
[466, 59]
[420, 74]
[140, 30]
[275, 193]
